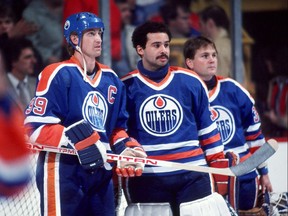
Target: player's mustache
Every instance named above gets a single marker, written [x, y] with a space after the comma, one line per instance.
[163, 55]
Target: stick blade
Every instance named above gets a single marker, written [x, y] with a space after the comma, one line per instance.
[273, 143]
[259, 156]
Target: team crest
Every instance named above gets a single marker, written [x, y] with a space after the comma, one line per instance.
[225, 122]
[160, 115]
[95, 110]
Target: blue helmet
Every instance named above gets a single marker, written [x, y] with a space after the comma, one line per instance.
[79, 22]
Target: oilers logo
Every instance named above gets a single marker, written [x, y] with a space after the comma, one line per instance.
[225, 122]
[95, 110]
[160, 115]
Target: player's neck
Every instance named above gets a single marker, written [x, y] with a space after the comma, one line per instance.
[211, 83]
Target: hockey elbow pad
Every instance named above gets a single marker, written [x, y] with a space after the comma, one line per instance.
[90, 150]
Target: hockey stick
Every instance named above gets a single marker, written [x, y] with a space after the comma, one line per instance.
[260, 156]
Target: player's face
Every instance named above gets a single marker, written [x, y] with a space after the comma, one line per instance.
[204, 62]
[92, 43]
[157, 51]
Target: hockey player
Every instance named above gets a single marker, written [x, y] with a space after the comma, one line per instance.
[81, 104]
[169, 114]
[14, 156]
[235, 114]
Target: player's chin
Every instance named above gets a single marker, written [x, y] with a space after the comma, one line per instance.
[98, 51]
[212, 71]
[162, 62]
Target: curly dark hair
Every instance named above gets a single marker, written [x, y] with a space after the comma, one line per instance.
[139, 36]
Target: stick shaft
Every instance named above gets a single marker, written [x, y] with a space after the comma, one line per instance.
[261, 155]
[146, 161]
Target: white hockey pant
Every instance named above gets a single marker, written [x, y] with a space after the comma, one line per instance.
[148, 209]
[213, 204]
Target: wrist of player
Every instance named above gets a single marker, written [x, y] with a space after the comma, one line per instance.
[130, 147]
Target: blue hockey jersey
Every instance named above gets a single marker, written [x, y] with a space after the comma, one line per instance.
[64, 96]
[237, 118]
[171, 119]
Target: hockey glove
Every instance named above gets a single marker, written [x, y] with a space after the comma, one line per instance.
[129, 147]
[221, 181]
[91, 152]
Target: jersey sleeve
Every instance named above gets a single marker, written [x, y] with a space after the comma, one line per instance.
[251, 121]
[251, 124]
[45, 111]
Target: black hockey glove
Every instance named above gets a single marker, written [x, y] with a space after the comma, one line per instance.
[91, 152]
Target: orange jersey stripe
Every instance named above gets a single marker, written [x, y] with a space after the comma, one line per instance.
[210, 140]
[245, 157]
[178, 156]
[253, 136]
[51, 202]
[253, 149]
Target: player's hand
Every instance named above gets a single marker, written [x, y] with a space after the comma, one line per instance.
[265, 183]
[128, 169]
[91, 152]
[233, 158]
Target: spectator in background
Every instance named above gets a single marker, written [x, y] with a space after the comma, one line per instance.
[277, 102]
[214, 24]
[21, 62]
[17, 6]
[144, 10]
[177, 16]
[129, 58]
[14, 156]
[47, 15]
[10, 27]
[276, 97]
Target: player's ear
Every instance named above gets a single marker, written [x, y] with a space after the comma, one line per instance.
[139, 50]
[74, 39]
[189, 63]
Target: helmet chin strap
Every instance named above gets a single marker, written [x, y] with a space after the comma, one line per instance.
[84, 63]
